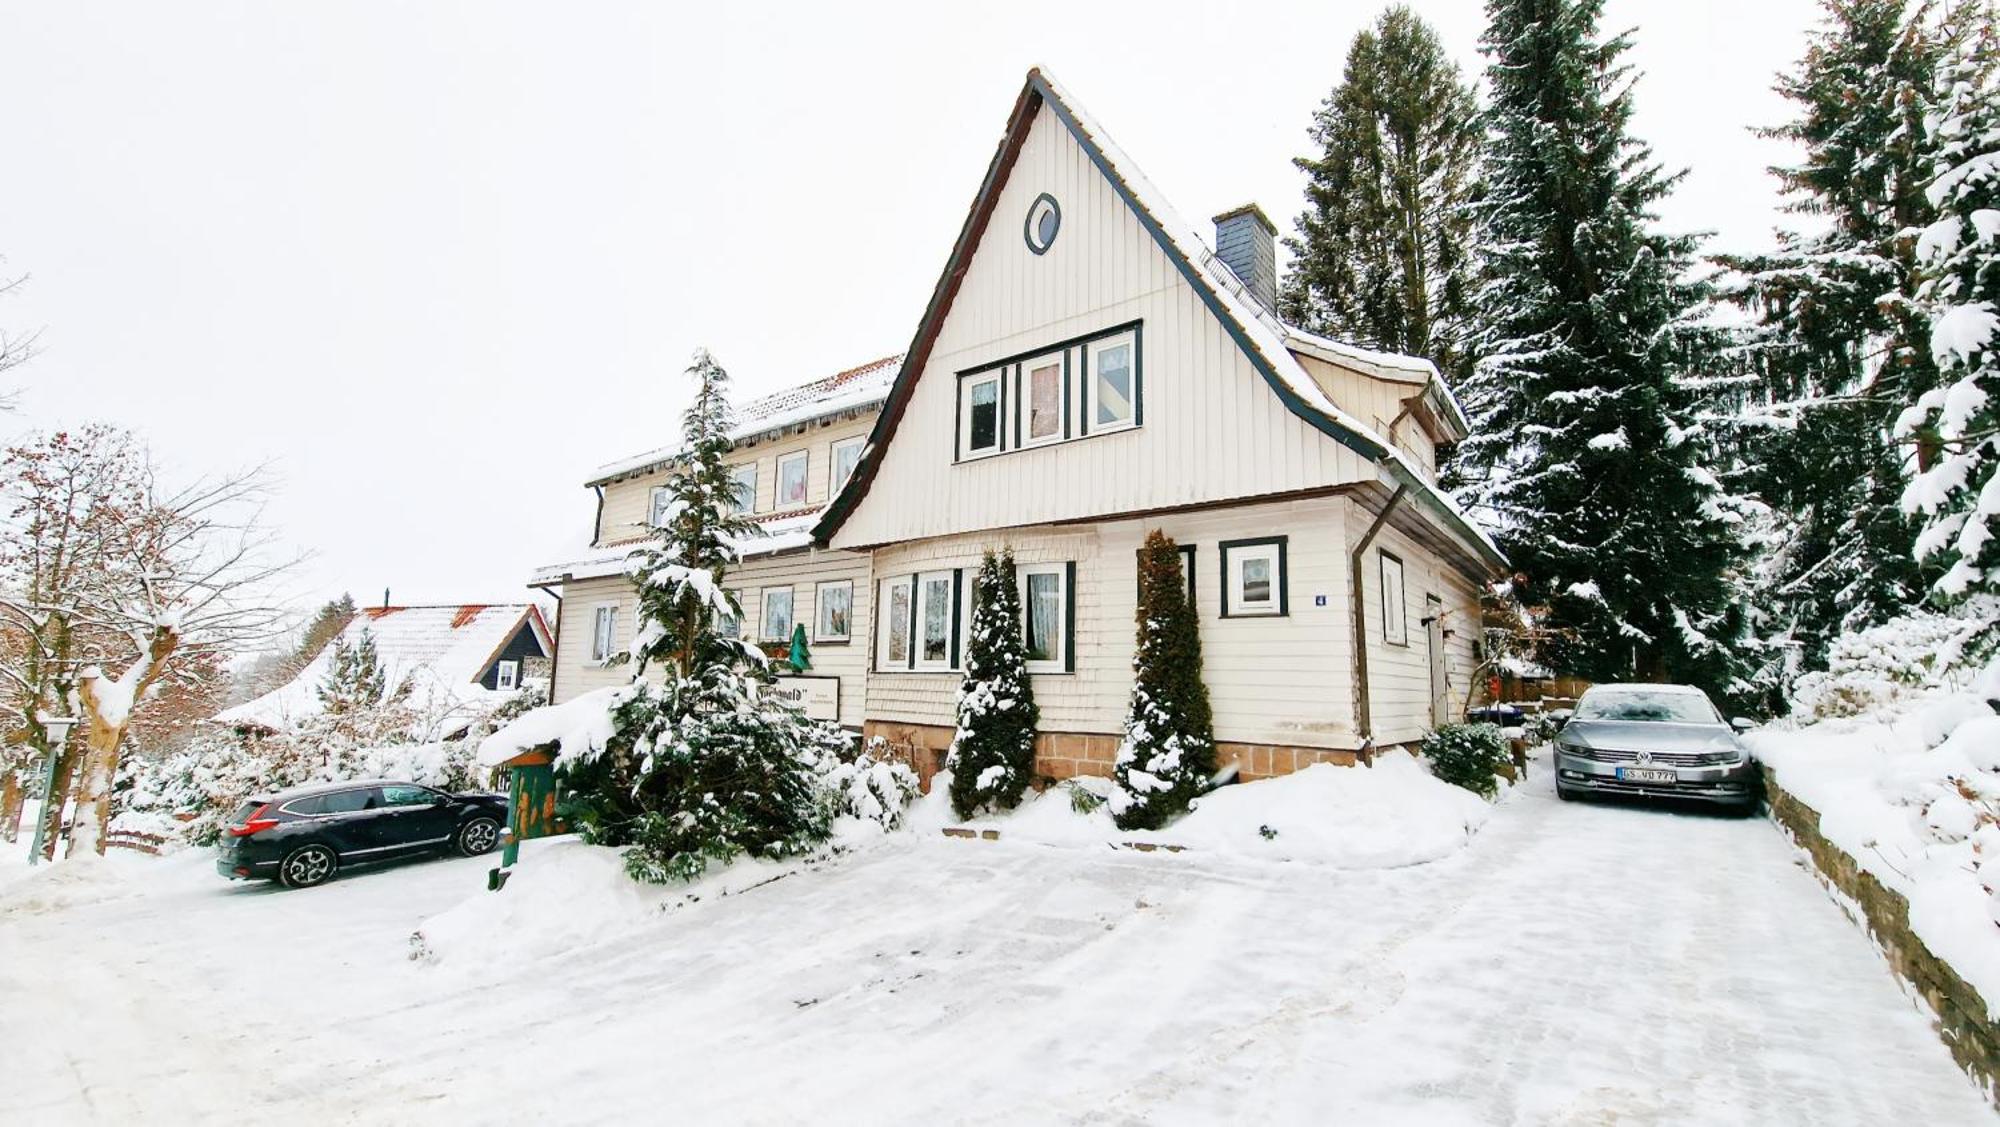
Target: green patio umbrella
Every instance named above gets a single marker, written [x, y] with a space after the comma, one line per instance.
[800, 659]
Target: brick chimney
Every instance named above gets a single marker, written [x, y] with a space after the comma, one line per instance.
[1246, 239]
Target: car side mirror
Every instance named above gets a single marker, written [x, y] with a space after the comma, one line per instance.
[1743, 723]
[1559, 721]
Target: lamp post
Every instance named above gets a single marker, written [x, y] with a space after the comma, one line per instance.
[57, 729]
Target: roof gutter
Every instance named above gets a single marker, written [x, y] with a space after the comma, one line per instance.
[1364, 720]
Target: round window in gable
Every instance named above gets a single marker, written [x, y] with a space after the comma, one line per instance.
[1044, 220]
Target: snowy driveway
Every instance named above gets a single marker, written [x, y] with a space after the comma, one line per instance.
[1577, 964]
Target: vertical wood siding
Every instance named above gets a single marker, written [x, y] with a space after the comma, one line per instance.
[1399, 676]
[1213, 430]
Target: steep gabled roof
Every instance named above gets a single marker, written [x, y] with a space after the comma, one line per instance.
[856, 388]
[437, 653]
[1261, 336]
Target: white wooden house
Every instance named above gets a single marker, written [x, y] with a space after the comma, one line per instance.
[1089, 369]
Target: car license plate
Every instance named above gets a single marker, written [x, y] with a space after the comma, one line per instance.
[1647, 775]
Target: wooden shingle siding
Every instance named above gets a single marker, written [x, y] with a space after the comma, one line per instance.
[1277, 680]
[1213, 429]
[802, 571]
[628, 503]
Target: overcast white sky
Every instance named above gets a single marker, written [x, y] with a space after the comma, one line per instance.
[437, 261]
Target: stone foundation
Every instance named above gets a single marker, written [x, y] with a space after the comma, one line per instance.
[1064, 755]
[1962, 1021]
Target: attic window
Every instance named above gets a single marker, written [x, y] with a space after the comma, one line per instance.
[507, 676]
[1043, 222]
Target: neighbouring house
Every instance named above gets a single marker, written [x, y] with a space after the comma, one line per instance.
[1088, 369]
[793, 452]
[451, 664]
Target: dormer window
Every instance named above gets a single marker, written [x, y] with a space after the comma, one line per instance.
[1112, 385]
[979, 399]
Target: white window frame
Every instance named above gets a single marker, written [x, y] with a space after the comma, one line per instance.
[659, 493]
[803, 460]
[1235, 553]
[966, 386]
[1023, 395]
[835, 480]
[1395, 612]
[604, 633]
[764, 614]
[1091, 351]
[736, 472]
[886, 618]
[1059, 660]
[731, 625]
[926, 584]
[820, 634]
[507, 676]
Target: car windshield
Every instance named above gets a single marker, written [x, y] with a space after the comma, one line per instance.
[1641, 704]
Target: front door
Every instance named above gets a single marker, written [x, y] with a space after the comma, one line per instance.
[1440, 675]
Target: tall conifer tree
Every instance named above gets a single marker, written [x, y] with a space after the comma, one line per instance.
[1955, 428]
[1839, 344]
[1586, 452]
[1383, 255]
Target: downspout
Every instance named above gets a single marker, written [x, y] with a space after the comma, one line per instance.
[555, 636]
[1364, 725]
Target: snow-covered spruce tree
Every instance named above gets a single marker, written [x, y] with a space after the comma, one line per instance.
[1168, 754]
[993, 752]
[1383, 255]
[1955, 428]
[702, 767]
[1838, 347]
[354, 681]
[1586, 450]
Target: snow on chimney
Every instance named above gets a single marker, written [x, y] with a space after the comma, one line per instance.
[1246, 240]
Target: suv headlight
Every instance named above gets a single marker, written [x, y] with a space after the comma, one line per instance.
[1729, 757]
[1573, 750]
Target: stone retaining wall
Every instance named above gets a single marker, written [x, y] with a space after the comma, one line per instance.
[1962, 1021]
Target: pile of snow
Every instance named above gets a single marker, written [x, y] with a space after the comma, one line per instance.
[1386, 816]
[1914, 798]
[1909, 659]
[564, 894]
[83, 879]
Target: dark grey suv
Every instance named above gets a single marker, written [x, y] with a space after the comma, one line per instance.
[1657, 741]
[302, 837]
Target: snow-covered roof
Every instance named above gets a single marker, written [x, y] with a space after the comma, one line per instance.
[1264, 337]
[854, 389]
[437, 652]
[785, 531]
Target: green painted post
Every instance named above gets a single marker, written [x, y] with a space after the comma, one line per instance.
[42, 818]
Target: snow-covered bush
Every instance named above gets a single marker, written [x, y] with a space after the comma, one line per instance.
[993, 751]
[1887, 667]
[1168, 755]
[1467, 755]
[872, 786]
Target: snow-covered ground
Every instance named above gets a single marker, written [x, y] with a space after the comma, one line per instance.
[1572, 964]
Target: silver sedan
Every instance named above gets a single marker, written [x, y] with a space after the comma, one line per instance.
[1658, 741]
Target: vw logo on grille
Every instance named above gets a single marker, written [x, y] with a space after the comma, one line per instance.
[1645, 757]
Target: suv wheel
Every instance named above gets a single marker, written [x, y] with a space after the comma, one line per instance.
[307, 866]
[478, 836]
